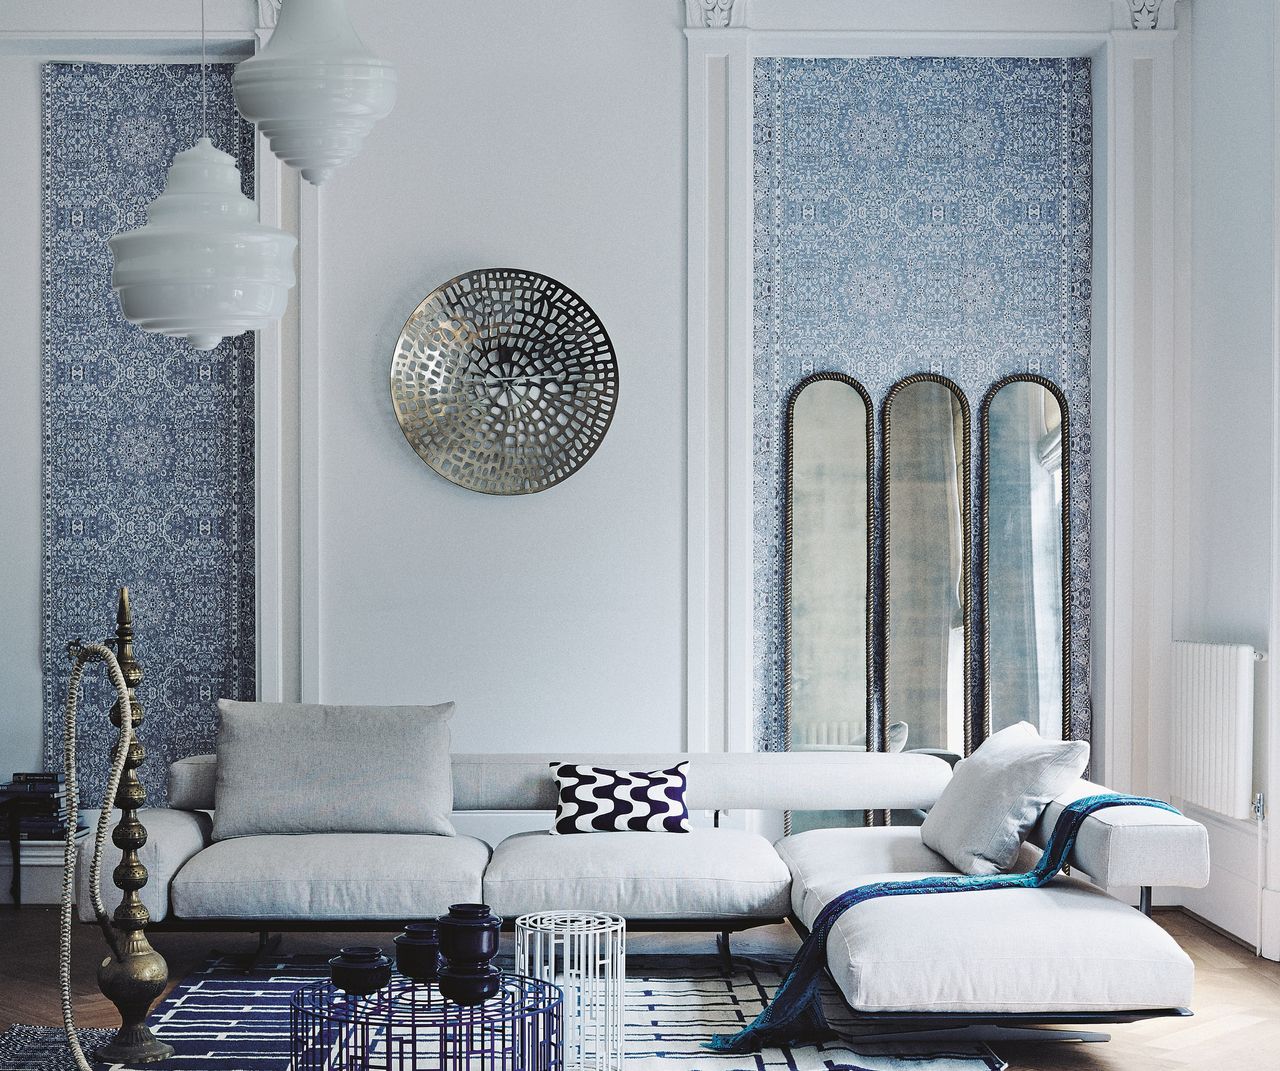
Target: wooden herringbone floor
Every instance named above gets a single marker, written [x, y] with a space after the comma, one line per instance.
[1236, 1025]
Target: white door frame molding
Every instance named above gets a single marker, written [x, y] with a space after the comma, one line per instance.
[1269, 923]
[1133, 333]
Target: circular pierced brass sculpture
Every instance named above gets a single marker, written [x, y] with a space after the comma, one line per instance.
[504, 381]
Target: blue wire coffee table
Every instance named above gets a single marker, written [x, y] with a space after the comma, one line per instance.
[408, 1026]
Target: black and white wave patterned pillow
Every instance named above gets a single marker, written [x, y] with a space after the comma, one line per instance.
[596, 800]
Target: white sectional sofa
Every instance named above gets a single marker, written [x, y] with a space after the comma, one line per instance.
[1068, 950]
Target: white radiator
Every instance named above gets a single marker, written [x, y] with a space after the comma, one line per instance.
[838, 732]
[1213, 726]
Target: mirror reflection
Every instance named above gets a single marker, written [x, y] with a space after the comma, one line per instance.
[828, 446]
[1025, 607]
[927, 584]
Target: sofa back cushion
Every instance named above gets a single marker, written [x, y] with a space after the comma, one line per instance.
[775, 780]
[307, 768]
[996, 795]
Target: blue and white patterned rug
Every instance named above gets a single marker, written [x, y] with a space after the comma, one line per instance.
[221, 1017]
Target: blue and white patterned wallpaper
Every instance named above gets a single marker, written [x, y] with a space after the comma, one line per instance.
[148, 445]
[918, 215]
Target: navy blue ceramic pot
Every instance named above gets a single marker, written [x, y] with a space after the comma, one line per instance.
[468, 941]
[360, 970]
[468, 985]
[418, 951]
[469, 934]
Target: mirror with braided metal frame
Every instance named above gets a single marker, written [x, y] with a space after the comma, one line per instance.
[927, 567]
[826, 579]
[1026, 533]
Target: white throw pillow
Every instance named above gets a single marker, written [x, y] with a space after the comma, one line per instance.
[307, 768]
[997, 794]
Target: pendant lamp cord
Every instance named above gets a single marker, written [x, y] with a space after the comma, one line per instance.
[204, 79]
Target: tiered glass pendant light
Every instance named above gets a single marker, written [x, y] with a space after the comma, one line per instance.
[203, 267]
[315, 91]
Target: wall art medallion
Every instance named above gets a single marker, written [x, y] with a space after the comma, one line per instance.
[504, 381]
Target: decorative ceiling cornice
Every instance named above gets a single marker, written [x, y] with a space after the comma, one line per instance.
[715, 14]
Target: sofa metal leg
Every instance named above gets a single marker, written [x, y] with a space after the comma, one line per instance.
[1144, 900]
[247, 961]
[726, 953]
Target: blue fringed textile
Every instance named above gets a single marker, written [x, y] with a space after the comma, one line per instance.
[794, 1017]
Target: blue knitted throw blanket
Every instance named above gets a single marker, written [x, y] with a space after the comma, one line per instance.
[794, 1017]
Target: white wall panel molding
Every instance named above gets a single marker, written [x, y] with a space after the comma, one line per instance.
[719, 395]
[310, 378]
[1135, 325]
[1136, 444]
[936, 16]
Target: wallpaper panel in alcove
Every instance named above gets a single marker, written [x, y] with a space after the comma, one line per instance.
[918, 215]
[148, 467]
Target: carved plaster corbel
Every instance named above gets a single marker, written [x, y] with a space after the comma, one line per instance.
[268, 10]
[1151, 14]
[715, 14]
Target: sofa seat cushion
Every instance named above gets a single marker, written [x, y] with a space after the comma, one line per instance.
[706, 873]
[825, 862]
[1067, 947]
[330, 876]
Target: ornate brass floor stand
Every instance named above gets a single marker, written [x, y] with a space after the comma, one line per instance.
[135, 974]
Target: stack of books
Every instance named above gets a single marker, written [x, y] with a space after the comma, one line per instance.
[42, 806]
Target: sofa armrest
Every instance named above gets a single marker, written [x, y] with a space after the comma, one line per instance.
[1142, 846]
[193, 783]
[173, 837]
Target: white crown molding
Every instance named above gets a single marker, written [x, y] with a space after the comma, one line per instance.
[268, 10]
[711, 14]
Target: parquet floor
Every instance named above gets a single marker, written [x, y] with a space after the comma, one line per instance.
[1236, 1025]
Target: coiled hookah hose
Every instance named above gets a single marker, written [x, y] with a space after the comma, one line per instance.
[84, 655]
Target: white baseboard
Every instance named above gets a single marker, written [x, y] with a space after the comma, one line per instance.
[1230, 900]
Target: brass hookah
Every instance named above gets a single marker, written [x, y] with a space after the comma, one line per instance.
[134, 975]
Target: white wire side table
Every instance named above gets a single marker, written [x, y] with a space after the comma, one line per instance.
[585, 954]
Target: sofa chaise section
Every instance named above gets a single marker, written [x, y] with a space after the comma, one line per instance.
[1065, 950]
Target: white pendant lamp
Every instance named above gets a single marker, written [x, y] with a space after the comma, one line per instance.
[203, 267]
[315, 91]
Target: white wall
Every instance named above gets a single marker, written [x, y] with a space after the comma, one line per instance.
[1223, 590]
[545, 134]
[548, 136]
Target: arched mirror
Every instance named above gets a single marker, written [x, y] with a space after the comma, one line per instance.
[826, 581]
[927, 562]
[1026, 609]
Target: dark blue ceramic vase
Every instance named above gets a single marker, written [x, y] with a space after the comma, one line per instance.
[468, 942]
[360, 970]
[418, 951]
